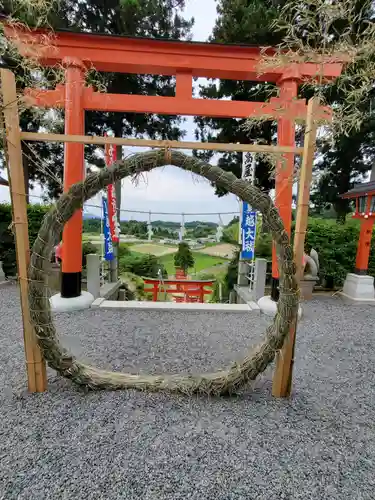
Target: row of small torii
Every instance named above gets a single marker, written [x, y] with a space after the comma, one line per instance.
[181, 233]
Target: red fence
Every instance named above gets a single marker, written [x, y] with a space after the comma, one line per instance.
[185, 290]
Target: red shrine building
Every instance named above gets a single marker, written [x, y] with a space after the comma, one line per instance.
[358, 286]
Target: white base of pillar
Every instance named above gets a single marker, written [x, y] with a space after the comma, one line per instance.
[61, 304]
[269, 307]
[358, 289]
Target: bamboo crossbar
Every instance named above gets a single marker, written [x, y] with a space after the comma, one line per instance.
[119, 141]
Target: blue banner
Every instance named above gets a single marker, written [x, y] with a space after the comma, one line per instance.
[248, 227]
[108, 245]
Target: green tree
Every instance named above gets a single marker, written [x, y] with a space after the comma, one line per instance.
[146, 266]
[241, 22]
[202, 231]
[150, 18]
[42, 162]
[230, 233]
[147, 18]
[342, 166]
[183, 258]
[92, 225]
[341, 162]
[134, 228]
[346, 158]
[231, 276]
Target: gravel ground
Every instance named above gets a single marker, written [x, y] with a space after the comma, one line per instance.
[67, 444]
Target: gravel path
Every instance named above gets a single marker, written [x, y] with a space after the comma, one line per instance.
[67, 444]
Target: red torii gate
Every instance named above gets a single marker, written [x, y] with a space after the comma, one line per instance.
[184, 60]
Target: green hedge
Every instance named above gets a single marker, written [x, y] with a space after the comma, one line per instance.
[87, 249]
[335, 243]
[141, 265]
[134, 285]
[35, 214]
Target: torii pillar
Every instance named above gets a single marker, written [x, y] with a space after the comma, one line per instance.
[71, 296]
[288, 85]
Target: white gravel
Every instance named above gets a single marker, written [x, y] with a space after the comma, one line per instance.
[68, 444]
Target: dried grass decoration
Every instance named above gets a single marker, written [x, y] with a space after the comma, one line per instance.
[223, 382]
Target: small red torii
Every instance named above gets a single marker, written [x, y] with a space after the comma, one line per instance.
[191, 290]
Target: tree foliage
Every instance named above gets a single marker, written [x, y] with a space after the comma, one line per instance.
[241, 22]
[343, 164]
[335, 243]
[183, 258]
[311, 28]
[144, 18]
[42, 162]
[323, 32]
[231, 231]
[148, 18]
[147, 266]
[35, 214]
[344, 30]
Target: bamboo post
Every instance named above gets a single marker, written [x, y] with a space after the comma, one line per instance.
[152, 143]
[35, 364]
[282, 379]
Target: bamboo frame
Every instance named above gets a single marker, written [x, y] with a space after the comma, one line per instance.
[119, 141]
[36, 369]
[282, 379]
[35, 364]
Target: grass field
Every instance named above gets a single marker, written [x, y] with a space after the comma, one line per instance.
[93, 237]
[202, 262]
[225, 250]
[211, 259]
[157, 250]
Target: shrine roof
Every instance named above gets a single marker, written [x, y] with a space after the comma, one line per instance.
[138, 55]
[358, 189]
[161, 39]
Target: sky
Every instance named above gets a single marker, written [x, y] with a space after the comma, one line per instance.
[171, 189]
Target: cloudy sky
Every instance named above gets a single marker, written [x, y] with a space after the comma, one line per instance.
[171, 189]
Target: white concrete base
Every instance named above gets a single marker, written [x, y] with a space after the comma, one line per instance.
[2, 275]
[269, 307]
[358, 289]
[61, 304]
[175, 306]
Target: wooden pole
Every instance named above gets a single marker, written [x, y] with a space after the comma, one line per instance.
[35, 364]
[282, 379]
[120, 141]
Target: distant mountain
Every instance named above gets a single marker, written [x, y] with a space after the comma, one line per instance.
[88, 216]
[160, 223]
[198, 223]
[188, 225]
